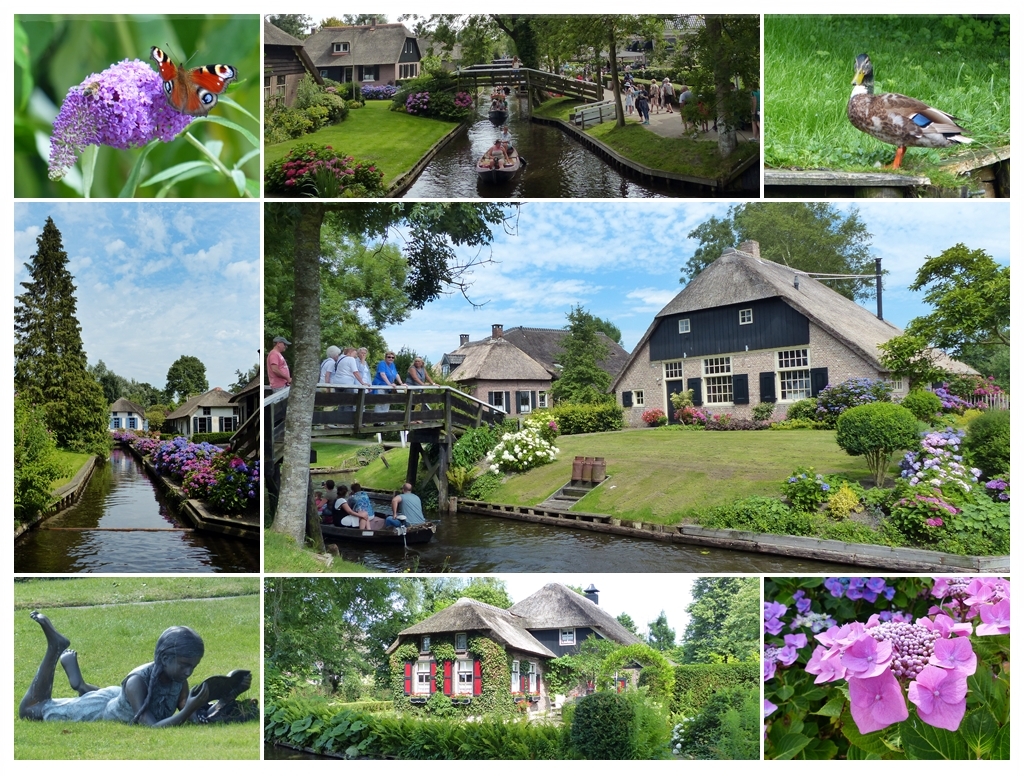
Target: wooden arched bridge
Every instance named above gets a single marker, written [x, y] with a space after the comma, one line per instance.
[436, 415]
[528, 78]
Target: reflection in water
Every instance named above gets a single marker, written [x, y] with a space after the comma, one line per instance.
[121, 495]
[557, 166]
[474, 544]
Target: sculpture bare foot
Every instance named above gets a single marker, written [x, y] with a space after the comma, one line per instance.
[53, 637]
[69, 660]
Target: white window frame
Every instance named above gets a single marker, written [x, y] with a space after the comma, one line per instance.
[461, 642]
[463, 668]
[896, 384]
[521, 407]
[408, 70]
[421, 677]
[514, 684]
[500, 396]
[673, 370]
[341, 47]
[684, 325]
[790, 366]
[748, 318]
[638, 398]
[533, 679]
[566, 637]
[717, 373]
[542, 400]
[409, 46]
[424, 644]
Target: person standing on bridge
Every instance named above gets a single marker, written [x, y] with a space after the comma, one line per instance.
[387, 374]
[278, 374]
[329, 364]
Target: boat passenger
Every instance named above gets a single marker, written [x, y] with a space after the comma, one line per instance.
[495, 156]
[408, 504]
[345, 516]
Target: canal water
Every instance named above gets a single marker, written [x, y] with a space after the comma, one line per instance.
[556, 165]
[466, 543]
[121, 495]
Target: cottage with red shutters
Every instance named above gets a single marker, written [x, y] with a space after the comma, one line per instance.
[480, 656]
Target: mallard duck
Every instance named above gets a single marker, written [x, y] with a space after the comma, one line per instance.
[897, 119]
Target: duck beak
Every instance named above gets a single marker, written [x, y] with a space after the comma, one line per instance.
[862, 69]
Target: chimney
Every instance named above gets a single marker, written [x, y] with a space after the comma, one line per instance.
[463, 340]
[753, 247]
[497, 330]
[878, 287]
[591, 593]
[796, 282]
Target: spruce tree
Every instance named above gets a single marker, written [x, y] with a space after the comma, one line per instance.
[582, 381]
[50, 368]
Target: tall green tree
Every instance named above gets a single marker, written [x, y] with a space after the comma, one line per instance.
[36, 464]
[242, 379]
[186, 377]
[582, 381]
[295, 24]
[50, 367]
[114, 386]
[442, 592]
[704, 641]
[359, 19]
[431, 231]
[808, 236]
[660, 635]
[970, 294]
[627, 622]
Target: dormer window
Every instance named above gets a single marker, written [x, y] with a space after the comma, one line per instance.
[461, 642]
[425, 644]
[746, 316]
[684, 325]
[341, 48]
[566, 637]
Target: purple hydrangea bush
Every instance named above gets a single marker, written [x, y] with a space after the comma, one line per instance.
[915, 669]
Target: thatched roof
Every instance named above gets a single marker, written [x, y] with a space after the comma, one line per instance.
[275, 36]
[368, 45]
[739, 276]
[123, 405]
[469, 615]
[215, 398]
[542, 348]
[556, 606]
[496, 358]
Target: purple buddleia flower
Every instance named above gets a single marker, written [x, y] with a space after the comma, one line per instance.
[122, 107]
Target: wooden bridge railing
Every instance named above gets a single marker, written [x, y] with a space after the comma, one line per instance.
[530, 79]
[436, 415]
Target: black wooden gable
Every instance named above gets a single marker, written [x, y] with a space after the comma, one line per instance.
[410, 53]
[549, 637]
[718, 330]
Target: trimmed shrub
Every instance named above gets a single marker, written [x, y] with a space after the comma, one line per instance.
[924, 404]
[988, 442]
[805, 409]
[213, 437]
[619, 726]
[725, 728]
[876, 431]
[764, 410]
[837, 399]
[695, 684]
[588, 418]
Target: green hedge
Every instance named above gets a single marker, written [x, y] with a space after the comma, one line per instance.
[214, 437]
[588, 418]
[695, 684]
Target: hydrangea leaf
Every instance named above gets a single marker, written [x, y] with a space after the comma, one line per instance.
[833, 708]
[1001, 746]
[790, 745]
[924, 742]
[856, 753]
[872, 743]
[979, 731]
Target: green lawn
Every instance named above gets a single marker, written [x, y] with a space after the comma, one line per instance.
[112, 640]
[664, 474]
[393, 141]
[280, 555]
[338, 455]
[74, 462]
[808, 67]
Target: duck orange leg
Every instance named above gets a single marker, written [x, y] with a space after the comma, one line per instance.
[899, 157]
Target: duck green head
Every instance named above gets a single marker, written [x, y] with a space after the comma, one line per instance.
[863, 74]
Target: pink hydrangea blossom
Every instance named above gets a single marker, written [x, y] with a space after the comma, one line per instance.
[877, 702]
[940, 696]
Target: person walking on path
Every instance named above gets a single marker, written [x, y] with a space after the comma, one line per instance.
[668, 94]
[643, 107]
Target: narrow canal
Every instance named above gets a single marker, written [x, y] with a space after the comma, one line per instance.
[556, 165]
[474, 544]
[121, 495]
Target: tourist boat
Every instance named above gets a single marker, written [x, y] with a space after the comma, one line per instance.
[502, 174]
[414, 534]
[498, 117]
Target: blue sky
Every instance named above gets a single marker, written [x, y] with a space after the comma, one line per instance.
[621, 260]
[156, 281]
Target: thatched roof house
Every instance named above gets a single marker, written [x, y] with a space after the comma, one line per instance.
[373, 54]
[127, 414]
[747, 330]
[550, 623]
[211, 412]
[514, 369]
[285, 64]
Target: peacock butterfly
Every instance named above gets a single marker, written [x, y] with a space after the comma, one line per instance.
[192, 92]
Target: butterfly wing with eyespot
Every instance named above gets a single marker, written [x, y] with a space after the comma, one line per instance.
[193, 92]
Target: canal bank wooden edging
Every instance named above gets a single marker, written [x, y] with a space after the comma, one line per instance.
[867, 555]
[64, 497]
[614, 158]
[406, 179]
[194, 511]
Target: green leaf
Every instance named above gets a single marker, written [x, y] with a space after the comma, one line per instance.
[790, 745]
[252, 188]
[820, 749]
[246, 157]
[833, 708]
[239, 178]
[236, 106]
[170, 172]
[979, 729]
[195, 173]
[873, 743]
[237, 127]
[1001, 745]
[856, 753]
[132, 183]
[924, 742]
[87, 161]
[785, 692]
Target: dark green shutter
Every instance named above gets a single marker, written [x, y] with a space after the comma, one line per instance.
[768, 386]
[693, 384]
[627, 398]
[740, 390]
[819, 379]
